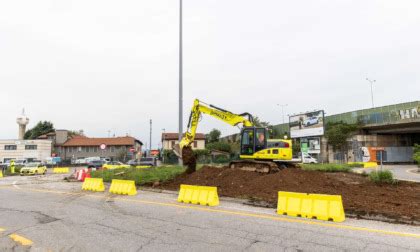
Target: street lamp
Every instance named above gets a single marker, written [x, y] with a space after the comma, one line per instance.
[163, 145]
[282, 109]
[371, 89]
[180, 130]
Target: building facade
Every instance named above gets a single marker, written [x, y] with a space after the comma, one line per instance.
[169, 140]
[115, 148]
[31, 150]
[388, 131]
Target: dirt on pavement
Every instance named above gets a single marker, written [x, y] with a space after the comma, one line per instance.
[362, 197]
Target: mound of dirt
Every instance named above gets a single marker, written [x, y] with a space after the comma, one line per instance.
[189, 159]
[360, 196]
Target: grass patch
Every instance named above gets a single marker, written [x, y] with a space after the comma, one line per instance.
[140, 176]
[327, 167]
[382, 177]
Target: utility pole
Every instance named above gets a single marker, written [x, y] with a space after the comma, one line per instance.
[180, 126]
[163, 146]
[150, 138]
[371, 89]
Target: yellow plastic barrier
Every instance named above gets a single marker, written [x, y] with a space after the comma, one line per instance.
[1, 174]
[61, 170]
[370, 165]
[143, 166]
[126, 187]
[365, 164]
[203, 195]
[313, 206]
[93, 184]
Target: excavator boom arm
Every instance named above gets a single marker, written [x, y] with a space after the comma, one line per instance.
[226, 116]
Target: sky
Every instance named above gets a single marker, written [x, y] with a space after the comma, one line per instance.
[111, 66]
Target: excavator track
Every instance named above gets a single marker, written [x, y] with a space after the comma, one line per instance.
[255, 166]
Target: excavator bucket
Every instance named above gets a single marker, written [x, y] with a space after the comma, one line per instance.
[177, 150]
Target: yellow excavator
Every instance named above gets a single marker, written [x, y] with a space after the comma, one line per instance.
[257, 153]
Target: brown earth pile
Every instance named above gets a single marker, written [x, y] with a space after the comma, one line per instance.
[189, 159]
[360, 196]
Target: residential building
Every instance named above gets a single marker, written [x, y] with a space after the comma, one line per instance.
[114, 148]
[58, 138]
[25, 149]
[169, 140]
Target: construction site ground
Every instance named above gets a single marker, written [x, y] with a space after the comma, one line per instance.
[361, 198]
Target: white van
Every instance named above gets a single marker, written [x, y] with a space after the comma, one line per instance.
[308, 159]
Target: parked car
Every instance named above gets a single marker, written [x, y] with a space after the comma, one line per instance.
[148, 161]
[33, 169]
[97, 164]
[115, 165]
[80, 161]
[311, 121]
[308, 159]
[18, 162]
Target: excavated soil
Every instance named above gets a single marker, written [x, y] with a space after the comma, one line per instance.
[189, 159]
[361, 197]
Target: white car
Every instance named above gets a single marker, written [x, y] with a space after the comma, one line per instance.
[308, 159]
[80, 161]
[311, 121]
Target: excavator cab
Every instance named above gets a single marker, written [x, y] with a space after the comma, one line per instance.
[253, 139]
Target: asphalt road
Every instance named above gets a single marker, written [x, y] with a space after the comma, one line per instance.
[58, 216]
[400, 172]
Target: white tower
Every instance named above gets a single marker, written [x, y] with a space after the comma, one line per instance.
[22, 120]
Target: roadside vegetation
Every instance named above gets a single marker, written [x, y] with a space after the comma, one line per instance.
[329, 167]
[141, 176]
[416, 155]
[382, 177]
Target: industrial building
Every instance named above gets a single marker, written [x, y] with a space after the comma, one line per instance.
[18, 149]
[390, 131]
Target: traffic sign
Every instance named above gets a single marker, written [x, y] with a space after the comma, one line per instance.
[102, 146]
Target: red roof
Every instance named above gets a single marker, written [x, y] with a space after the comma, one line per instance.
[116, 141]
[174, 136]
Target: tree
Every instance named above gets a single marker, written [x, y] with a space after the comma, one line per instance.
[416, 155]
[73, 133]
[259, 123]
[43, 127]
[338, 133]
[220, 146]
[213, 136]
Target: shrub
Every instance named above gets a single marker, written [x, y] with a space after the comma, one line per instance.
[416, 155]
[327, 167]
[355, 165]
[381, 177]
[221, 159]
[140, 176]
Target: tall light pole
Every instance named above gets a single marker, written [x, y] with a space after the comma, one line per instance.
[180, 130]
[163, 146]
[371, 89]
[282, 109]
[150, 138]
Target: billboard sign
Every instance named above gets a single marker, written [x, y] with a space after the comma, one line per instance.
[314, 145]
[306, 125]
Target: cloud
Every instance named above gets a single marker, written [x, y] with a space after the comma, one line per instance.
[103, 65]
